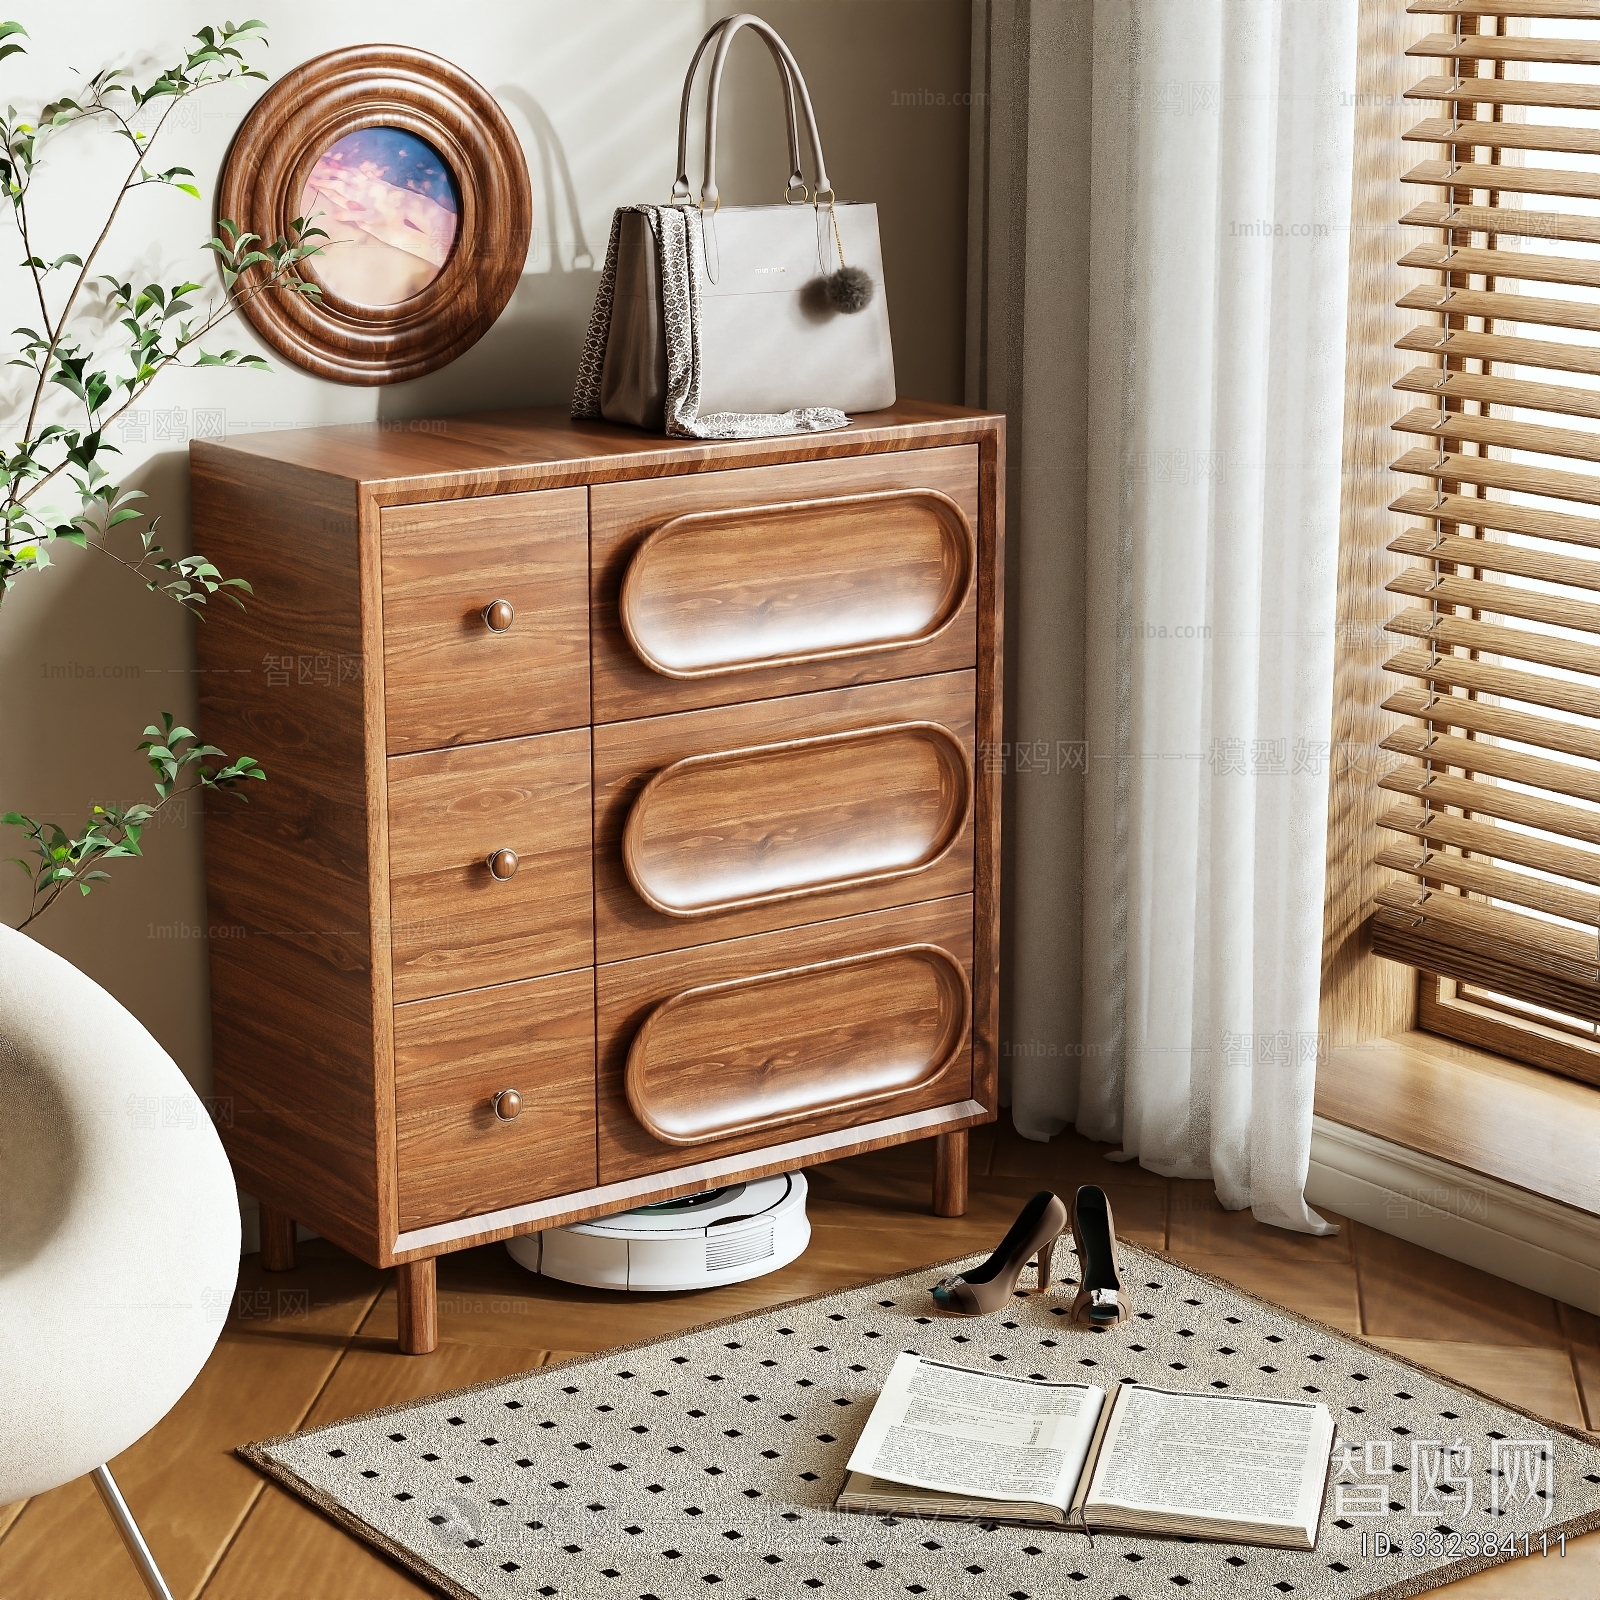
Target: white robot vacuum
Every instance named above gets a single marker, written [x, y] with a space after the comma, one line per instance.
[696, 1242]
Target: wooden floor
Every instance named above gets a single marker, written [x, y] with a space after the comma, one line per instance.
[317, 1344]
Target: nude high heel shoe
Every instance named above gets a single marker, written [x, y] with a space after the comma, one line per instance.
[1101, 1301]
[989, 1287]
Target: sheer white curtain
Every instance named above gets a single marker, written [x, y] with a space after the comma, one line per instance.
[1219, 161]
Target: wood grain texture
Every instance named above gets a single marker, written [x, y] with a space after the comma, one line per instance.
[301, 1112]
[1492, 556]
[1464, 939]
[774, 822]
[1461, 672]
[284, 1554]
[508, 452]
[1574, 442]
[284, 1337]
[417, 1305]
[277, 1240]
[225, 1536]
[691, 1177]
[453, 924]
[626, 994]
[1524, 222]
[743, 1058]
[1519, 888]
[448, 678]
[1504, 844]
[950, 1174]
[758, 588]
[1481, 134]
[1487, 47]
[1449, 1009]
[864, 562]
[1479, 757]
[627, 755]
[1486, 471]
[375, 774]
[989, 735]
[1472, 1109]
[1364, 997]
[453, 1056]
[1481, 716]
[1505, 178]
[1502, 599]
[1487, 302]
[1504, 91]
[311, 1020]
[1495, 800]
[1504, 515]
[264, 179]
[1520, 644]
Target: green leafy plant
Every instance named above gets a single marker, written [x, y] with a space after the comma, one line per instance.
[98, 345]
[112, 831]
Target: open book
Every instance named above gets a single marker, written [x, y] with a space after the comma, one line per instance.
[945, 1441]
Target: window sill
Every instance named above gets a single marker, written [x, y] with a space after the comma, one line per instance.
[1494, 1117]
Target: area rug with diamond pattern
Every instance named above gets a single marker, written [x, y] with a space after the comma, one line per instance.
[706, 1463]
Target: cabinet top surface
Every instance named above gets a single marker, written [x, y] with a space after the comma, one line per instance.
[486, 447]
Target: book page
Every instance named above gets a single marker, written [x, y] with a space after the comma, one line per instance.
[974, 1433]
[1214, 1456]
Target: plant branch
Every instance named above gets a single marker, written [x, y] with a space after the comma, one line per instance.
[64, 862]
[54, 336]
[158, 336]
[20, 206]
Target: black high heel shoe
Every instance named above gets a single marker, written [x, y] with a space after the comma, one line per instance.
[1101, 1301]
[989, 1287]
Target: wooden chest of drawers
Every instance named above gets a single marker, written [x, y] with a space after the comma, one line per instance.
[628, 829]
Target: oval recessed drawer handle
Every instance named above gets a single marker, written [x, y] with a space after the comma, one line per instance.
[879, 1025]
[498, 615]
[502, 864]
[689, 851]
[508, 1104]
[753, 588]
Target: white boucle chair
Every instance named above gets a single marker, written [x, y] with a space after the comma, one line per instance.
[119, 1233]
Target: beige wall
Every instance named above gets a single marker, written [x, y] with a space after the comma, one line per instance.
[87, 658]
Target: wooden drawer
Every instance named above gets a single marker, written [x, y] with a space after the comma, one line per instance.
[456, 924]
[449, 678]
[453, 1056]
[711, 824]
[719, 587]
[742, 1045]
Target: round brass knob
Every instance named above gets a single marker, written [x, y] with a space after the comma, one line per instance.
[507, 1105]
[502, 864]
[498, 615]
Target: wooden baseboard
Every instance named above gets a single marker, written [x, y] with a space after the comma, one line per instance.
[1540, 1244]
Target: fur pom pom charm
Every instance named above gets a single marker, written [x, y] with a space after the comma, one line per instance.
[849, 290]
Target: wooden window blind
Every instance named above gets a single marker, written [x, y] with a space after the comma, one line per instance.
[1496, 813]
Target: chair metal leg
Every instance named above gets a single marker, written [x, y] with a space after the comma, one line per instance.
[131, 1537]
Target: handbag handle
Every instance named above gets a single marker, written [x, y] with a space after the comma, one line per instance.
[680, 185]
[795, 86]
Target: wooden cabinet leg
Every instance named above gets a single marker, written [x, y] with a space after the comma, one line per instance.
[950, 1174]
[277, 1240]
[416, 1290]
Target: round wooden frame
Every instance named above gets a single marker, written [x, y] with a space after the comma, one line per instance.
[393, 86]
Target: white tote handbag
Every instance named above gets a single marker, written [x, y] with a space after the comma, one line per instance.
[728, 322]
